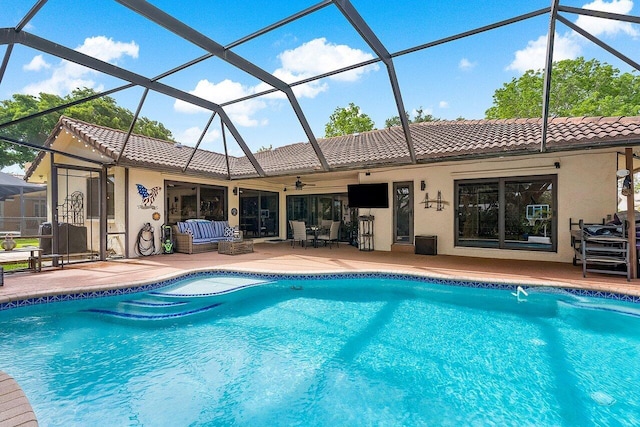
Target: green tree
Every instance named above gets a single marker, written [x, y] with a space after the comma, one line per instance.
[102, 111]
[347, 120]
[265, 148]
[419, 118]
[578, 88]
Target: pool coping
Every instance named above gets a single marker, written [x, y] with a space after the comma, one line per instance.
[51, 296]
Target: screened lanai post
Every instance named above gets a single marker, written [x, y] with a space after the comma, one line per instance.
[359, 24]
[102, 232]
[133, 123]
[547, 74]
[204, 132]
[53, 204]
[631, 215]
[224, 143]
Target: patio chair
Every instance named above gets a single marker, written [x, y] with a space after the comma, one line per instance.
[300, 233]
[332, 236]
[325, 225]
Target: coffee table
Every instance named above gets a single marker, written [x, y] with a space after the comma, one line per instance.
[235, 248]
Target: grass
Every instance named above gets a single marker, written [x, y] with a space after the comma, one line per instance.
[21, 243]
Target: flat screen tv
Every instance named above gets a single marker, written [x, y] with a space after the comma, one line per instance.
[368, 195]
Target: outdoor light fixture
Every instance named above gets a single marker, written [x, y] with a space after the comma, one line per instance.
[557, 165]
[622, 173]
[235, 191]
[423, 185]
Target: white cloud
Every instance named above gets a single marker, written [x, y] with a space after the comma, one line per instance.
[67, 76]
[37, 63]
[609, 27]
[465, 64]
[569, 46]
[192, 135]
[219, 93]
[318, 57]
[533, 56]
[308, 60]
[443, 104]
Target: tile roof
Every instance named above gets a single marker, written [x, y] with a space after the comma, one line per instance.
[432, 141]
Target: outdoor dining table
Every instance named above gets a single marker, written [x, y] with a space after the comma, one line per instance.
[315, 229]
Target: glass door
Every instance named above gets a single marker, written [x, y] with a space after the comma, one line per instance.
[403, 212]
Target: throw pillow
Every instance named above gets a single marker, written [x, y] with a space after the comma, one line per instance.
[228, 233]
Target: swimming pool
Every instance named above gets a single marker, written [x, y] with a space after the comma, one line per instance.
[355, 350]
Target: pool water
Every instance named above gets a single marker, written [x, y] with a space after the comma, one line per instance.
[327, 352]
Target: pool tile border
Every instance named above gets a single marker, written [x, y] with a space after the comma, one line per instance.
[304, 276]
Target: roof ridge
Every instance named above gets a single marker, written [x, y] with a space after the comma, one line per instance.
[93, 125]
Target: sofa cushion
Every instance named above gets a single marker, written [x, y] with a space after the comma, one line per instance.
[190, 228]
[206, 230]
[218, 228]
[201, 240]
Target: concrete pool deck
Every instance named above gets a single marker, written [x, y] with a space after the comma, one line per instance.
[282, 258]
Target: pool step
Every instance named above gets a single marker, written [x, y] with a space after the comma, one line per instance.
[141, 315]
[614, 308]
[150, 308]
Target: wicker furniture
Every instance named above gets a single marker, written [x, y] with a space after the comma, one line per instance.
[235, 248]
[193, 237]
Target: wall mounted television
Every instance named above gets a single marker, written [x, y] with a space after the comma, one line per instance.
[368, 195]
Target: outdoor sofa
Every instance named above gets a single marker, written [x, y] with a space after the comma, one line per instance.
[196, 236]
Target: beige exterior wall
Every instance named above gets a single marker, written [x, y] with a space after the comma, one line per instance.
[586, 190]
[586, 180]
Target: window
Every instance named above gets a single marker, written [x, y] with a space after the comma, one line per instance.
[259, 213]
[93, 197]
[40, 208]
[186, 200]
[507, 213]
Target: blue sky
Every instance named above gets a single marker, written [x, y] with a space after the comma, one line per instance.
[453, 80]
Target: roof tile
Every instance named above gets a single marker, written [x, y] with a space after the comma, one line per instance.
[432, 141]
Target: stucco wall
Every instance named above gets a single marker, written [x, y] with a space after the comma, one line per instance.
[586, 189]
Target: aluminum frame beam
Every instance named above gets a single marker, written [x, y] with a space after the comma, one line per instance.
[8, 36]
[133, 124]
[189, 34]
[599, 42]
[359, 24]
[546, 88]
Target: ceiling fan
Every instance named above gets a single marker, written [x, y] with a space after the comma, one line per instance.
[299, 185]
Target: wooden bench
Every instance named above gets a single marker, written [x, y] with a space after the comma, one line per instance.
[57, 260]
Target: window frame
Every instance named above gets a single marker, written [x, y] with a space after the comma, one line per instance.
[501, 182]
[95, 196]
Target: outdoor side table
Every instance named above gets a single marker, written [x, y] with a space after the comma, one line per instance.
[235, 248]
